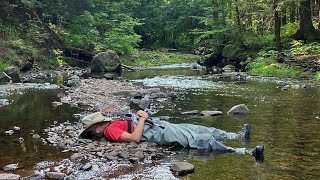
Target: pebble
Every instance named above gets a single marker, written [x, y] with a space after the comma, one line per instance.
[55, 176]
[9, 176]
[182, 168]
[9, 132]
[10, 167]
[86, 167]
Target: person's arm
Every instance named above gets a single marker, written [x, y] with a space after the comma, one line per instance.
[135, 136]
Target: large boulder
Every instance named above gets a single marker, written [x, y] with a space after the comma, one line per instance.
[107, 61]
[10, 74]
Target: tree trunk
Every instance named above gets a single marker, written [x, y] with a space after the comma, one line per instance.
[238, 13]
[318, 5]
[292, 12]
[284, 16]
[306, 30]
[277, 25]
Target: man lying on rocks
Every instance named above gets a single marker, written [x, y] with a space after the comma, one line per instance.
[137, 128]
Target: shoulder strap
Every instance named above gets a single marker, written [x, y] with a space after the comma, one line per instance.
[129, 126]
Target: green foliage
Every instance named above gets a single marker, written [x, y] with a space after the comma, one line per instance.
[3, 65]
[156, 58]
[317, 76]
[269, 67]
[299, 48]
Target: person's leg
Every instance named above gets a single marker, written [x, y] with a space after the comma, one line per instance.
[207, 141]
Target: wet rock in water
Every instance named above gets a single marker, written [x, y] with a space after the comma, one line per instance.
[9, 176]
[108, 76]
[55, 176]
[4, 102]
[194, 112]
[10, 167]
[36, 136]
[75, 157]
[240, 109]
[9, 132]
[73, 82]
[124, 154]
[211, 113]
[182, 168]
[55, 103]
[16, 128]
[86, 167]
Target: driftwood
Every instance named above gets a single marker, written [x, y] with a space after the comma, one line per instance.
[125, 66]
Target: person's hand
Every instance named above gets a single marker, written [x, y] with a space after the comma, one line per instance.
[142, 115]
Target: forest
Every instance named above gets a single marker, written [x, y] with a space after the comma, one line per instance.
[278, 37]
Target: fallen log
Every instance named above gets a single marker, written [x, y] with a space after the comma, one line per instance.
[125, 66]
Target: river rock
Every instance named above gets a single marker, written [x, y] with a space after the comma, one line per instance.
[9, 132]
[139, 104]
[108, 76]
[86, 167]
[74, 157]
[36, 136]
[16, 128]
[182, 168]
[74, 77]
[124, 154]
[194, 112]
[4, 102]
[106, 61]
[132, 93]
[57, 103]
[55, 176]
[139, 154]
[73, 82]
[9, 176]
[210, 113]
[240, 109]
[10, 167]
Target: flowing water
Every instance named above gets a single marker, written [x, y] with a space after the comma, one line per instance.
[286, 122]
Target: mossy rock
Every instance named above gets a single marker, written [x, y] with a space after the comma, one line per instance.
[108, 61]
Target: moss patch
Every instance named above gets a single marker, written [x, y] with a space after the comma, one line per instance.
[158, 58]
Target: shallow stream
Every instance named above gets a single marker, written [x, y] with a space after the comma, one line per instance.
[286, 122]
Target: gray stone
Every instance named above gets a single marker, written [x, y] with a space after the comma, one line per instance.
[10, 167]
[9, 176]
[75, 157]
[57, 103]
[55, 176]
[139, 104]
[229, 68]
[139, 154]
[108, 76]
[240, 109]
[4, 102]
[73, 82]
[132, 93]
[86, 167]
[124, 154]
[182, 168]
[210, 113]
[100, 154]
[111, 157]
[74, 77]
[106, 61]
[194, 112]
[134, 144]
[9, 132]
[36, 136]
